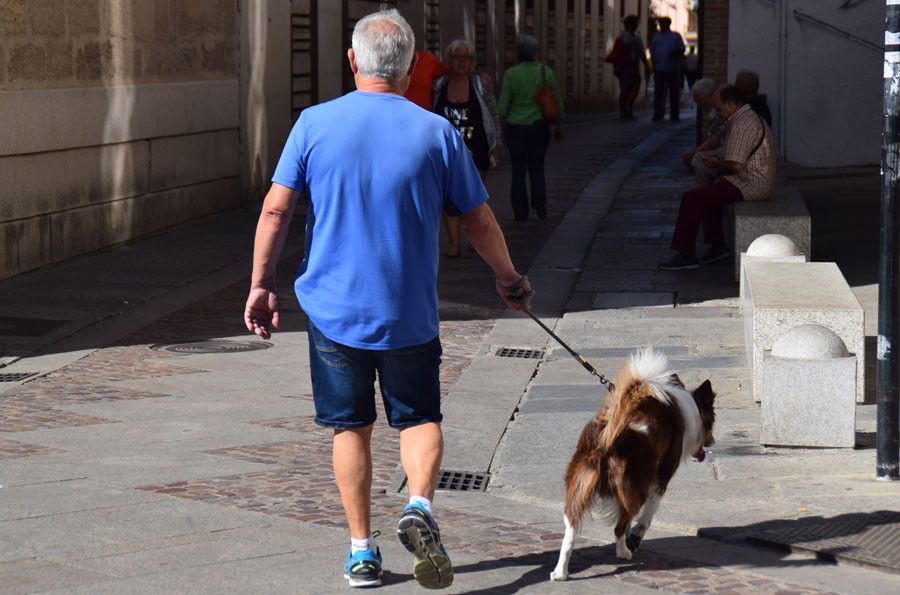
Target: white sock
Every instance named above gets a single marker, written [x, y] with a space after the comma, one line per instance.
[361, 545]
[425, 502]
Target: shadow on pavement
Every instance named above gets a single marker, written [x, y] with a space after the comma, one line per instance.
[598, 562]
[829, 537]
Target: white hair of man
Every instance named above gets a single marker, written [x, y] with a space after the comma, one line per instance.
[454, 45]
[384, 45]
[704, 88]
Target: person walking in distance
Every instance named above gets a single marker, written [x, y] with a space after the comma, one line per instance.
[527, 133]
[427, 68]
[627, 56]
[367, 282]
[467, 101]
[691, 66]
[667, 53]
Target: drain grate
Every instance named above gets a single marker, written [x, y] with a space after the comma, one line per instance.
[214, 346]
[462, 481]
[10, 377]
[524, 353]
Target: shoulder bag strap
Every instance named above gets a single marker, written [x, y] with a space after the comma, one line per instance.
[761, 138]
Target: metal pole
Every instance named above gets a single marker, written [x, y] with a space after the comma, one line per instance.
[888, 379]
[701, 49]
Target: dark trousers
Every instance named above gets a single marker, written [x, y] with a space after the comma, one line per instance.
[628, 92]
[703, 204]
[661, 82]
[527, 147]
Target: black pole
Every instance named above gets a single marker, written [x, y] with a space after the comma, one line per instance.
[701, 49]
[888, 379]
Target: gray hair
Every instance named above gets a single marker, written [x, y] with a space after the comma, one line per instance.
[384, 45]
[705, 88]
[460, 43]
[527, 48]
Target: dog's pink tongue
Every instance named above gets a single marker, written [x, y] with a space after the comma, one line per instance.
[701, 455]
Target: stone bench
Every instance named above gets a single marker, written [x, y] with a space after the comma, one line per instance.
[781, 295]
[784, 213]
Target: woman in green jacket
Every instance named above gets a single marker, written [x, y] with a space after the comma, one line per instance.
[526, 132]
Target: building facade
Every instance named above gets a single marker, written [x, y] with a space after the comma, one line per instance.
[820, 65]
[126, 117]
[119, 119]
[822, 71]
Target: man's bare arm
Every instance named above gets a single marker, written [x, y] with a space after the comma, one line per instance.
[730, 168]
[262, 310]
[486, 237]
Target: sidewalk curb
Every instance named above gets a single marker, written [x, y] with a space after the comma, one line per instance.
[554, 273]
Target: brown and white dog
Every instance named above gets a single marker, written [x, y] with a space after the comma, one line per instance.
[631, 449]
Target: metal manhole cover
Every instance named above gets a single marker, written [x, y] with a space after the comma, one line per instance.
[525, 353]
[462, 481]
[212, 346]
[10, 377]
[863, 538]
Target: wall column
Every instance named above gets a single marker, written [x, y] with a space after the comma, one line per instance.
[265, 66]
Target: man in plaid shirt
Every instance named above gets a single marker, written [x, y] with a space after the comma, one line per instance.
[748, 164]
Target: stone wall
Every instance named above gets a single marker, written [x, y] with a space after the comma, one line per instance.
[49, 44]
[120, 119]
[808, 59]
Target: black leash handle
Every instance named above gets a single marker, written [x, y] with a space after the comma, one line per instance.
[519, 294]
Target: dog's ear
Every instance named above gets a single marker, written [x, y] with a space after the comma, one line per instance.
[704, 394]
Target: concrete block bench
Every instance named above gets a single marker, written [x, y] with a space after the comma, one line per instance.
[782, 295]
[784, 213]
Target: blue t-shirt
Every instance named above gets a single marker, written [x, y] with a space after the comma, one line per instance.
[377, 170]
[666, 49]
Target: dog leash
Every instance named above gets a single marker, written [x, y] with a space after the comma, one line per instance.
[519, 294]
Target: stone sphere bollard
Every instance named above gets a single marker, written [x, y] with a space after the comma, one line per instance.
[772, 245]
[809, 341]
[809, 390]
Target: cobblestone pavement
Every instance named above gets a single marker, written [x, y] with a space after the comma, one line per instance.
[298, 484]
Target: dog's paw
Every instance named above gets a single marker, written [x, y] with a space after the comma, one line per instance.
[633, 542]
[622, 551]
[559, 575]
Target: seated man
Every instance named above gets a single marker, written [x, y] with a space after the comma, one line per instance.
[749, 164]
[748, 82]
[706, 96]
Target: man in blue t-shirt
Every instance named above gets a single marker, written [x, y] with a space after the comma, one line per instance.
[667, 53]
[377, 171]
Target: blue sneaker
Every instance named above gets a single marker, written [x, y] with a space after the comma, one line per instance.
[419, 534]
[363, 569]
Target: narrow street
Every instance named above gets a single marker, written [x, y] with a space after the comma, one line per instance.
[131, 469]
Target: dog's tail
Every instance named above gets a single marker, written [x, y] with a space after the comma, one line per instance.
[647, 372]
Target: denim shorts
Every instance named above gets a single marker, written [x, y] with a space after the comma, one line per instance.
[343, 383]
